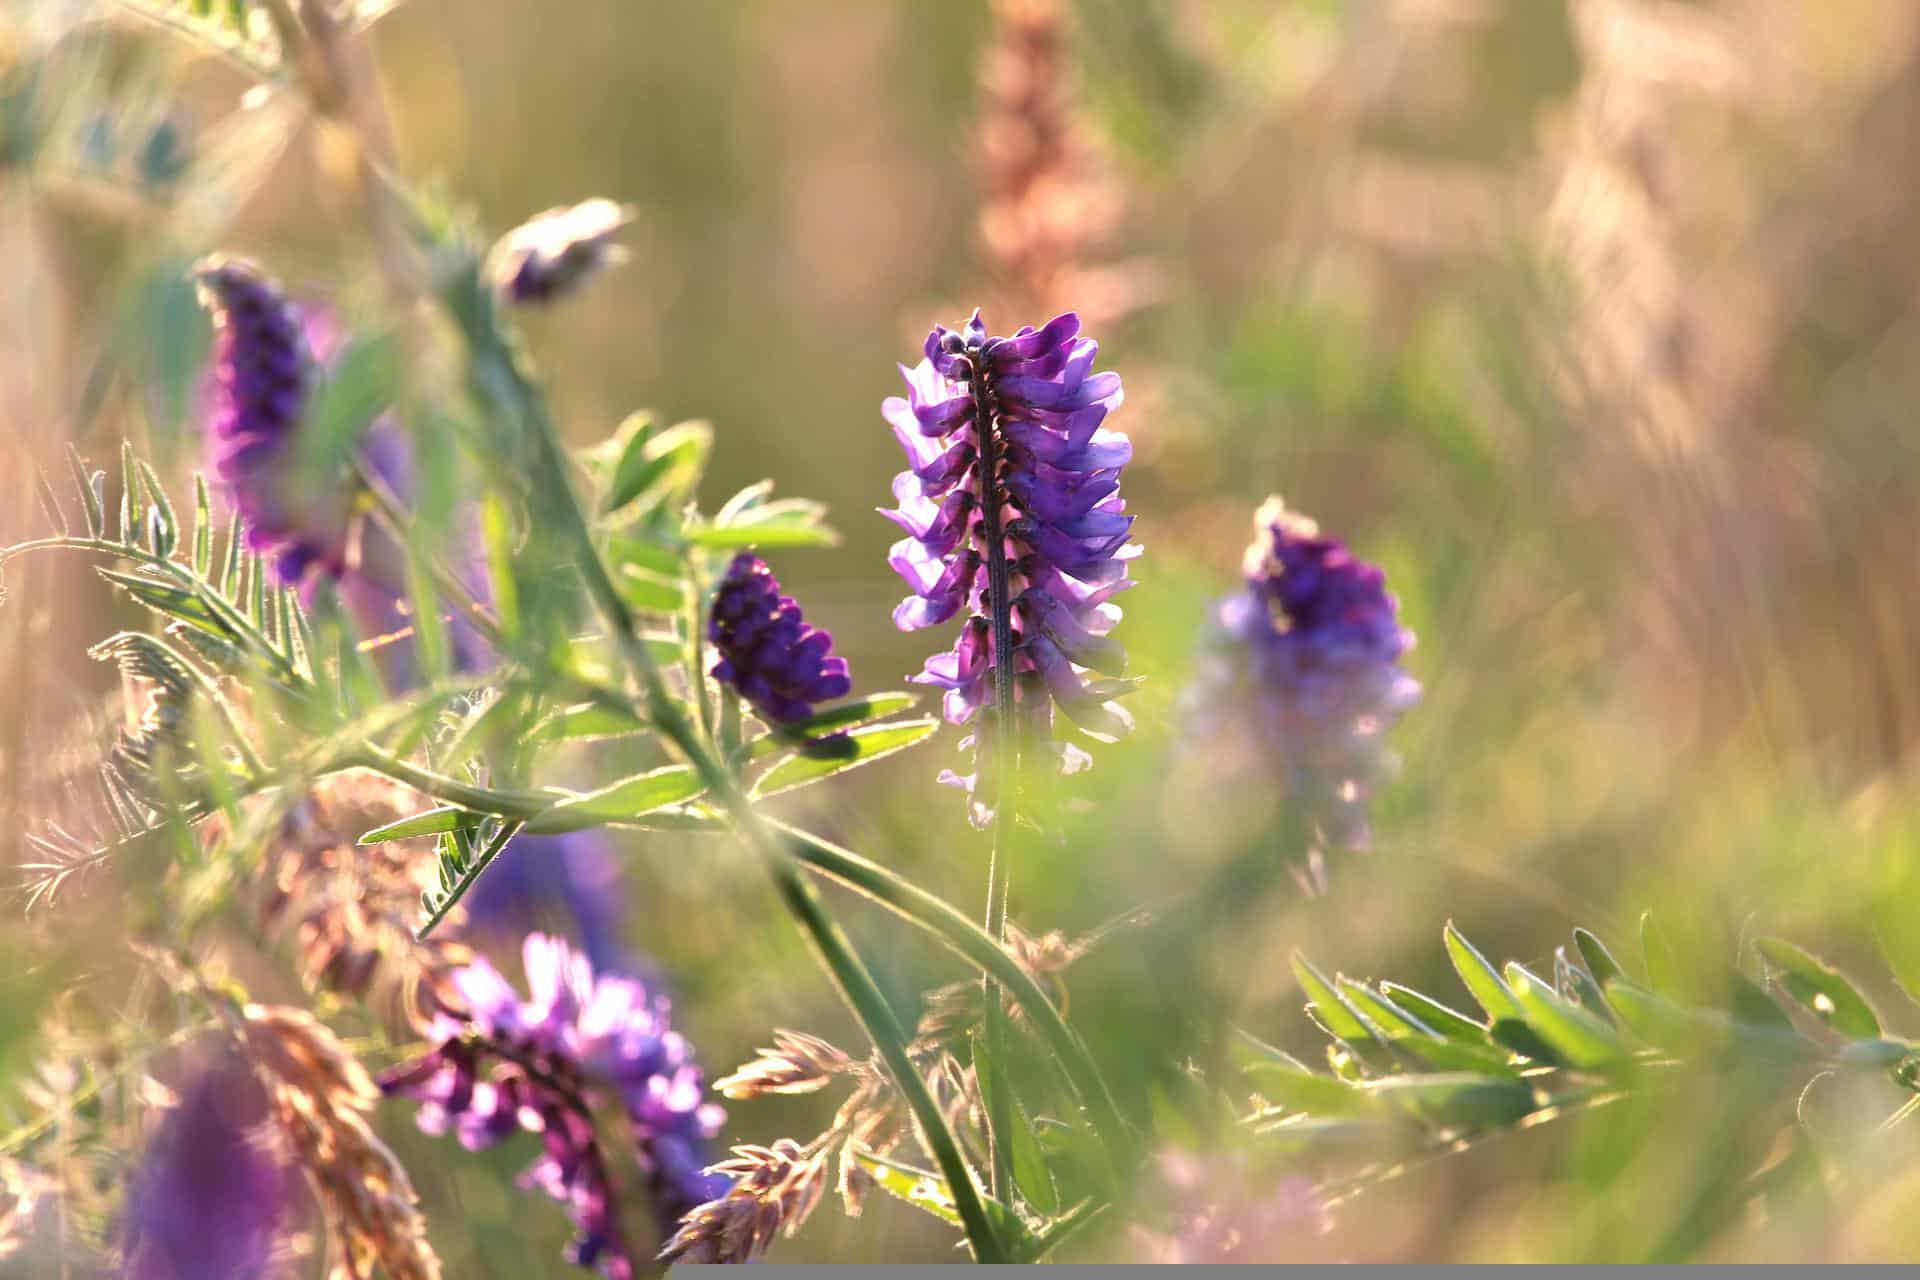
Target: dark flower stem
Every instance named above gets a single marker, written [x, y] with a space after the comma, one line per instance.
[1002, 750]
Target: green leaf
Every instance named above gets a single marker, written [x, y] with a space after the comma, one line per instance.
[1665, 974]
[844, 715]
[1516, 1035]
[655, 464]
[655, 595]
[1481, 978]
[661, 561]
[1449, 1022]
[89, 489]
[1600, 961]
[1298, 1089]
[1456, 1099]
[750, 519]
[1701, 1033]
[202, 527]
[591, 721]
[1028, 1162]
[1383, 1013]
[769, 536]
[628, 798]
[165, 525]
[132, 510]
[361, 382]
[1486, 1058]
[1340, 1018]
[172, 601]
[827, 756]
[1820, 987]
[919, 1188]
[1575, 984]
[431, 823]
[1578, 1037]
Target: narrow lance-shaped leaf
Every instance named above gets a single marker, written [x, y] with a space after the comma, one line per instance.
[132, 510]
[844, 715]
[628, 798]
[166, 524]
[1823, 989]
[1481, 978]
[828, 756]
[1578, 1037]
[1448, 1021]
[90, 503]
[1339, 1017]
[1029, 1164]
[202, 527]
[923, 1190]
[432, 822]
[235, 558]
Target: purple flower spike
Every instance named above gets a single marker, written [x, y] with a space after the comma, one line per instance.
[261, 378]
[1305, 665]
[779, 664]
[1032, 404]
[577, 1044]
[210, 1198]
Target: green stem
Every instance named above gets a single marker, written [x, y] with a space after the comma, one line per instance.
[973, 944]
[890, 1037]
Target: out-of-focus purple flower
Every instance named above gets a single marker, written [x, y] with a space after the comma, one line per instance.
[1305, 664]
[780, 664]
[210, 1198]
[262, 376]
[543, 1064]
[1219, 1211]
[555, 252]
[269, 354]
[1010, 430]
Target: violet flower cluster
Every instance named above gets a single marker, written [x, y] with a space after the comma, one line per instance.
[1008, 459]
[545, 1065]
[269, 354]
[1305, 663]
[210, 1196]
[768, 652]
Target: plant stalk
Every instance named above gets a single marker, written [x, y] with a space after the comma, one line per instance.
[1003, 753]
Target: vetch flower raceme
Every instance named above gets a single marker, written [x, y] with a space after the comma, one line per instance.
[262, 378]
[269, 356]
[1010, 469]
[1304, 663]
[211, 1197]
[779, 664]
[544, 1064]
